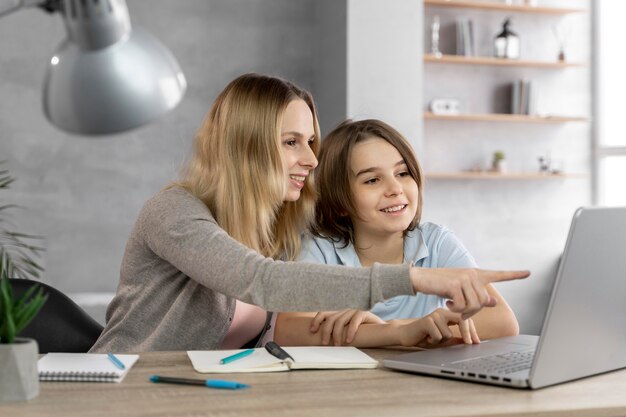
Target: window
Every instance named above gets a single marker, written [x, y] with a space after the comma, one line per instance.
[610, 98]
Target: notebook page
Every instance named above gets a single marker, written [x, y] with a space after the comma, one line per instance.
[83, 367]
[329, 357]
[208, 361]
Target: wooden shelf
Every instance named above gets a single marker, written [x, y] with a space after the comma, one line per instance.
[500, 62]
[481, 5]
[507, 118]
[499, 176]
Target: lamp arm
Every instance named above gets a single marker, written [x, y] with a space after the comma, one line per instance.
[10, 6]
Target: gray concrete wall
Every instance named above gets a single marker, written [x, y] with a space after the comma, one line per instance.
[83, 194]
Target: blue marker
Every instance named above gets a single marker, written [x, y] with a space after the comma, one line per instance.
[211, 383]
[118, 363]
[236, 356]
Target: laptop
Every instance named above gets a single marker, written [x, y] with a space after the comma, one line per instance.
[583, 331]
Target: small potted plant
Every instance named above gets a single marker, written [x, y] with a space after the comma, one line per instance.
[18, 372]
[498, 163]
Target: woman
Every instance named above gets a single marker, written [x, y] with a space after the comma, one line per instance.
[216, 236]
[369, 210]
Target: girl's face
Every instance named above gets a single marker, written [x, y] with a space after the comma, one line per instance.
[297, 134]
[383, 191]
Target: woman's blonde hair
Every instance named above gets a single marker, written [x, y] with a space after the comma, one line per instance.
[237, 168]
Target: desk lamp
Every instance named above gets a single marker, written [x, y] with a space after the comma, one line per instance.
[105, 77]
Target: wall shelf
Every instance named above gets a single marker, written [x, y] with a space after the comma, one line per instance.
[468, 175]
[501, 7]
[500, 62]
[507, 118]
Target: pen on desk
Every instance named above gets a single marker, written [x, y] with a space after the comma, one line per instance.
[236, 356]
[211, 383]
[277, 351]
[118, 363]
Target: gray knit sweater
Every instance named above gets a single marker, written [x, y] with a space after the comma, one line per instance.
[181, 274]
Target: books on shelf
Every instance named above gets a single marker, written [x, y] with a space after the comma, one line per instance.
[465, 45]
[522, 97]
[87, 367]
[304, 357]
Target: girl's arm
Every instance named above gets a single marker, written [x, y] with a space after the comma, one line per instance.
[293, 329]
[492, 322]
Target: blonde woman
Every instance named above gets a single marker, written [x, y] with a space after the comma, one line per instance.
[209, 255]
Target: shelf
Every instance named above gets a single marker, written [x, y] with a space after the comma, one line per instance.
[480, 5]
[499, 176]
[501, 62]
[496, 117]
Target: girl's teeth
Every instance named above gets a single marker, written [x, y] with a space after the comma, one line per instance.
[393, 209]
[297, 178]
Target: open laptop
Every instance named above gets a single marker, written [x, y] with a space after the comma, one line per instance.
[583, 332]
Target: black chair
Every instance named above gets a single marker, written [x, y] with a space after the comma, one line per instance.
[61, 325]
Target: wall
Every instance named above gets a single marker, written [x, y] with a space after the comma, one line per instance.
[361, 58]
[84, 194]
[511, 224]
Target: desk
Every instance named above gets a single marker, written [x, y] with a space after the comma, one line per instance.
[376, 392]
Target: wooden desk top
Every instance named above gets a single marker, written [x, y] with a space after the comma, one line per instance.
[375, 392]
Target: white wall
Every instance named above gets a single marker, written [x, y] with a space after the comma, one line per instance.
[384, 65]
[511, 224]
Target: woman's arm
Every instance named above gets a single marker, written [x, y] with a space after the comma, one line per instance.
[178, 228]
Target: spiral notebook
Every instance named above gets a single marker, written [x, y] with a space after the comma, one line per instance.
[86, 367]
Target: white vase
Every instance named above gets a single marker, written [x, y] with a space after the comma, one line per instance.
[500, 166]
[19, 380]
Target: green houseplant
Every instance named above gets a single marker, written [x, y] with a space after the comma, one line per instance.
[499, 162]
[18, 378]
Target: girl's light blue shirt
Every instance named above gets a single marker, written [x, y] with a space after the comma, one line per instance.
[429, 246]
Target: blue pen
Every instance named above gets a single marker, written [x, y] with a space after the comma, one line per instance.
[236, 356]
[118, 363]
[211, 383]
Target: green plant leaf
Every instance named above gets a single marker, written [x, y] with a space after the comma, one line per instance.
[8, 334]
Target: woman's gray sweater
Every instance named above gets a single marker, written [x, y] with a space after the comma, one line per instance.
[181, 274]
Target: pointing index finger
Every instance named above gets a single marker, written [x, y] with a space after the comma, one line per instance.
[497, 276]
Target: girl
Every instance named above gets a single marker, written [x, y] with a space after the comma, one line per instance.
[200, 267]
[369, 210]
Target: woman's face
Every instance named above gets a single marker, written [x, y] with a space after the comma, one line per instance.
[297, 134]
[383, 191]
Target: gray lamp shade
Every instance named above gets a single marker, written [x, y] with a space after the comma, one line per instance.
[113, 89]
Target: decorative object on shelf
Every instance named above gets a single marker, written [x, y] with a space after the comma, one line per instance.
[446, 106]
[434, 37]
[498, 163]
[506, 44]
[547, 165]
[522, 97]
[465, 37]
[560, 34]
[544, 164]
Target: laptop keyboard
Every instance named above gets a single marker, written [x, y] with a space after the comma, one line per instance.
[505, 363]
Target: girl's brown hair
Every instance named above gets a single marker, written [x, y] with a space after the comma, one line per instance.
[335, 207]
[237, 169]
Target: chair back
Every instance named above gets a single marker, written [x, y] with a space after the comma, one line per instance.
[61, 325]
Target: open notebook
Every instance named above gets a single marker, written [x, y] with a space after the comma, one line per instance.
[319, 357]
[88, 367]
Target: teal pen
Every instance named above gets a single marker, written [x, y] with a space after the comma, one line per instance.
[236, 356]
[211, 383]
[118, 363]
